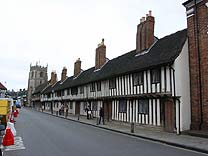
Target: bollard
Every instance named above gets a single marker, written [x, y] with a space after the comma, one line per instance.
[132, 127]
[97, 121]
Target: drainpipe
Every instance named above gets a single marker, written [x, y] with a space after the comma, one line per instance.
[179, 117]
[199, 61]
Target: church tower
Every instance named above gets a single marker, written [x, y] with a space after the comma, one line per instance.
[37, 76]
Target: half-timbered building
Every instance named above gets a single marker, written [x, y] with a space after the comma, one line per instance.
[147, 86]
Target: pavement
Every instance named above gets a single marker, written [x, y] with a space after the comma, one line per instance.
[183, 141]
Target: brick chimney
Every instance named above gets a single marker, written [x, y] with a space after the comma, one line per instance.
[145, 32]
[77, 67]
[100, 55]
[53, 77]
[197, 22]
[63, 74]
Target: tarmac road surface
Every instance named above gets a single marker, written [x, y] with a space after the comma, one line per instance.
[40, 134]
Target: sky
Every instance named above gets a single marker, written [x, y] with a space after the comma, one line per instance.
[57, 32]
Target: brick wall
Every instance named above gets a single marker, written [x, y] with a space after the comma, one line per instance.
[100, 55]
[77, 67]
[199, 112]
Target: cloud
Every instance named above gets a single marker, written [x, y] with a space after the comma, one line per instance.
[57, 32]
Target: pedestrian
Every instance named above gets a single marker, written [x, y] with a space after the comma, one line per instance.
[67, 110]
[87, 111]
[101, 113]
[42, 108]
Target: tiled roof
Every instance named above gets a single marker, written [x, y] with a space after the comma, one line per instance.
[2, 87]
[40, 88]
[164, 51]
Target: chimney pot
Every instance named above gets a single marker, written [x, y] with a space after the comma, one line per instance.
[150, 13]
[77, 67]
[100, 55]
[145, 32]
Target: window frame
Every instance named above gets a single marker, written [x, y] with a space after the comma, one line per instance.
[99, 86]
[81, 89]
[143, 107]
[94, 105]
[112, 83]
[92, 87]
[74, 90]
[71, 105]
[138, 78]
[122, 107]
[155, 75]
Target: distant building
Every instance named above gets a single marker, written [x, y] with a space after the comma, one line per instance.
[2, 90]
[37, 76]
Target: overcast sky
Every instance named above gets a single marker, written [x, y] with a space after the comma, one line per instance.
[57, 32]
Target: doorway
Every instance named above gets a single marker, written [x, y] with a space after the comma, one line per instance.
[107, 106]
[77, 107]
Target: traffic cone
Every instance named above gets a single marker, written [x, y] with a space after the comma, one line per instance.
[8, 138]
[12, 118]
[15, 113]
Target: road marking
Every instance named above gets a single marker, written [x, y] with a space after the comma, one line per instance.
[18, 145]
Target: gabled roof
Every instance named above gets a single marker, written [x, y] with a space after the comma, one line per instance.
[2, 87]
[50, 87]
[40, 88]
[164, 51]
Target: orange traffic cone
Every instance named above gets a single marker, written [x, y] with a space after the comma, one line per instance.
[8, 138]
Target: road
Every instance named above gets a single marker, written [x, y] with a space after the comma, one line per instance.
[46, 135]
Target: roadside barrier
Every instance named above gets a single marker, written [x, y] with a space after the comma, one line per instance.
[8, 138]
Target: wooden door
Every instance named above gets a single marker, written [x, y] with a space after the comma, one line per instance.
[77, 108]
[169, 115]
[107, 106]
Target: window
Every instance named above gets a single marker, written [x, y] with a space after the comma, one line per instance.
[62, 93]
[41, 74]
[122, 106]
[74, 91]
[99, 86]
[138, 78]
[85, 105]
[81, 90]
[94, 105]
[112, 83]
[71, 105]
[48, 96]
[32, 75]
[143, 106]
[59, 93]
[155, 76]
[92, 87]
[68, 91]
